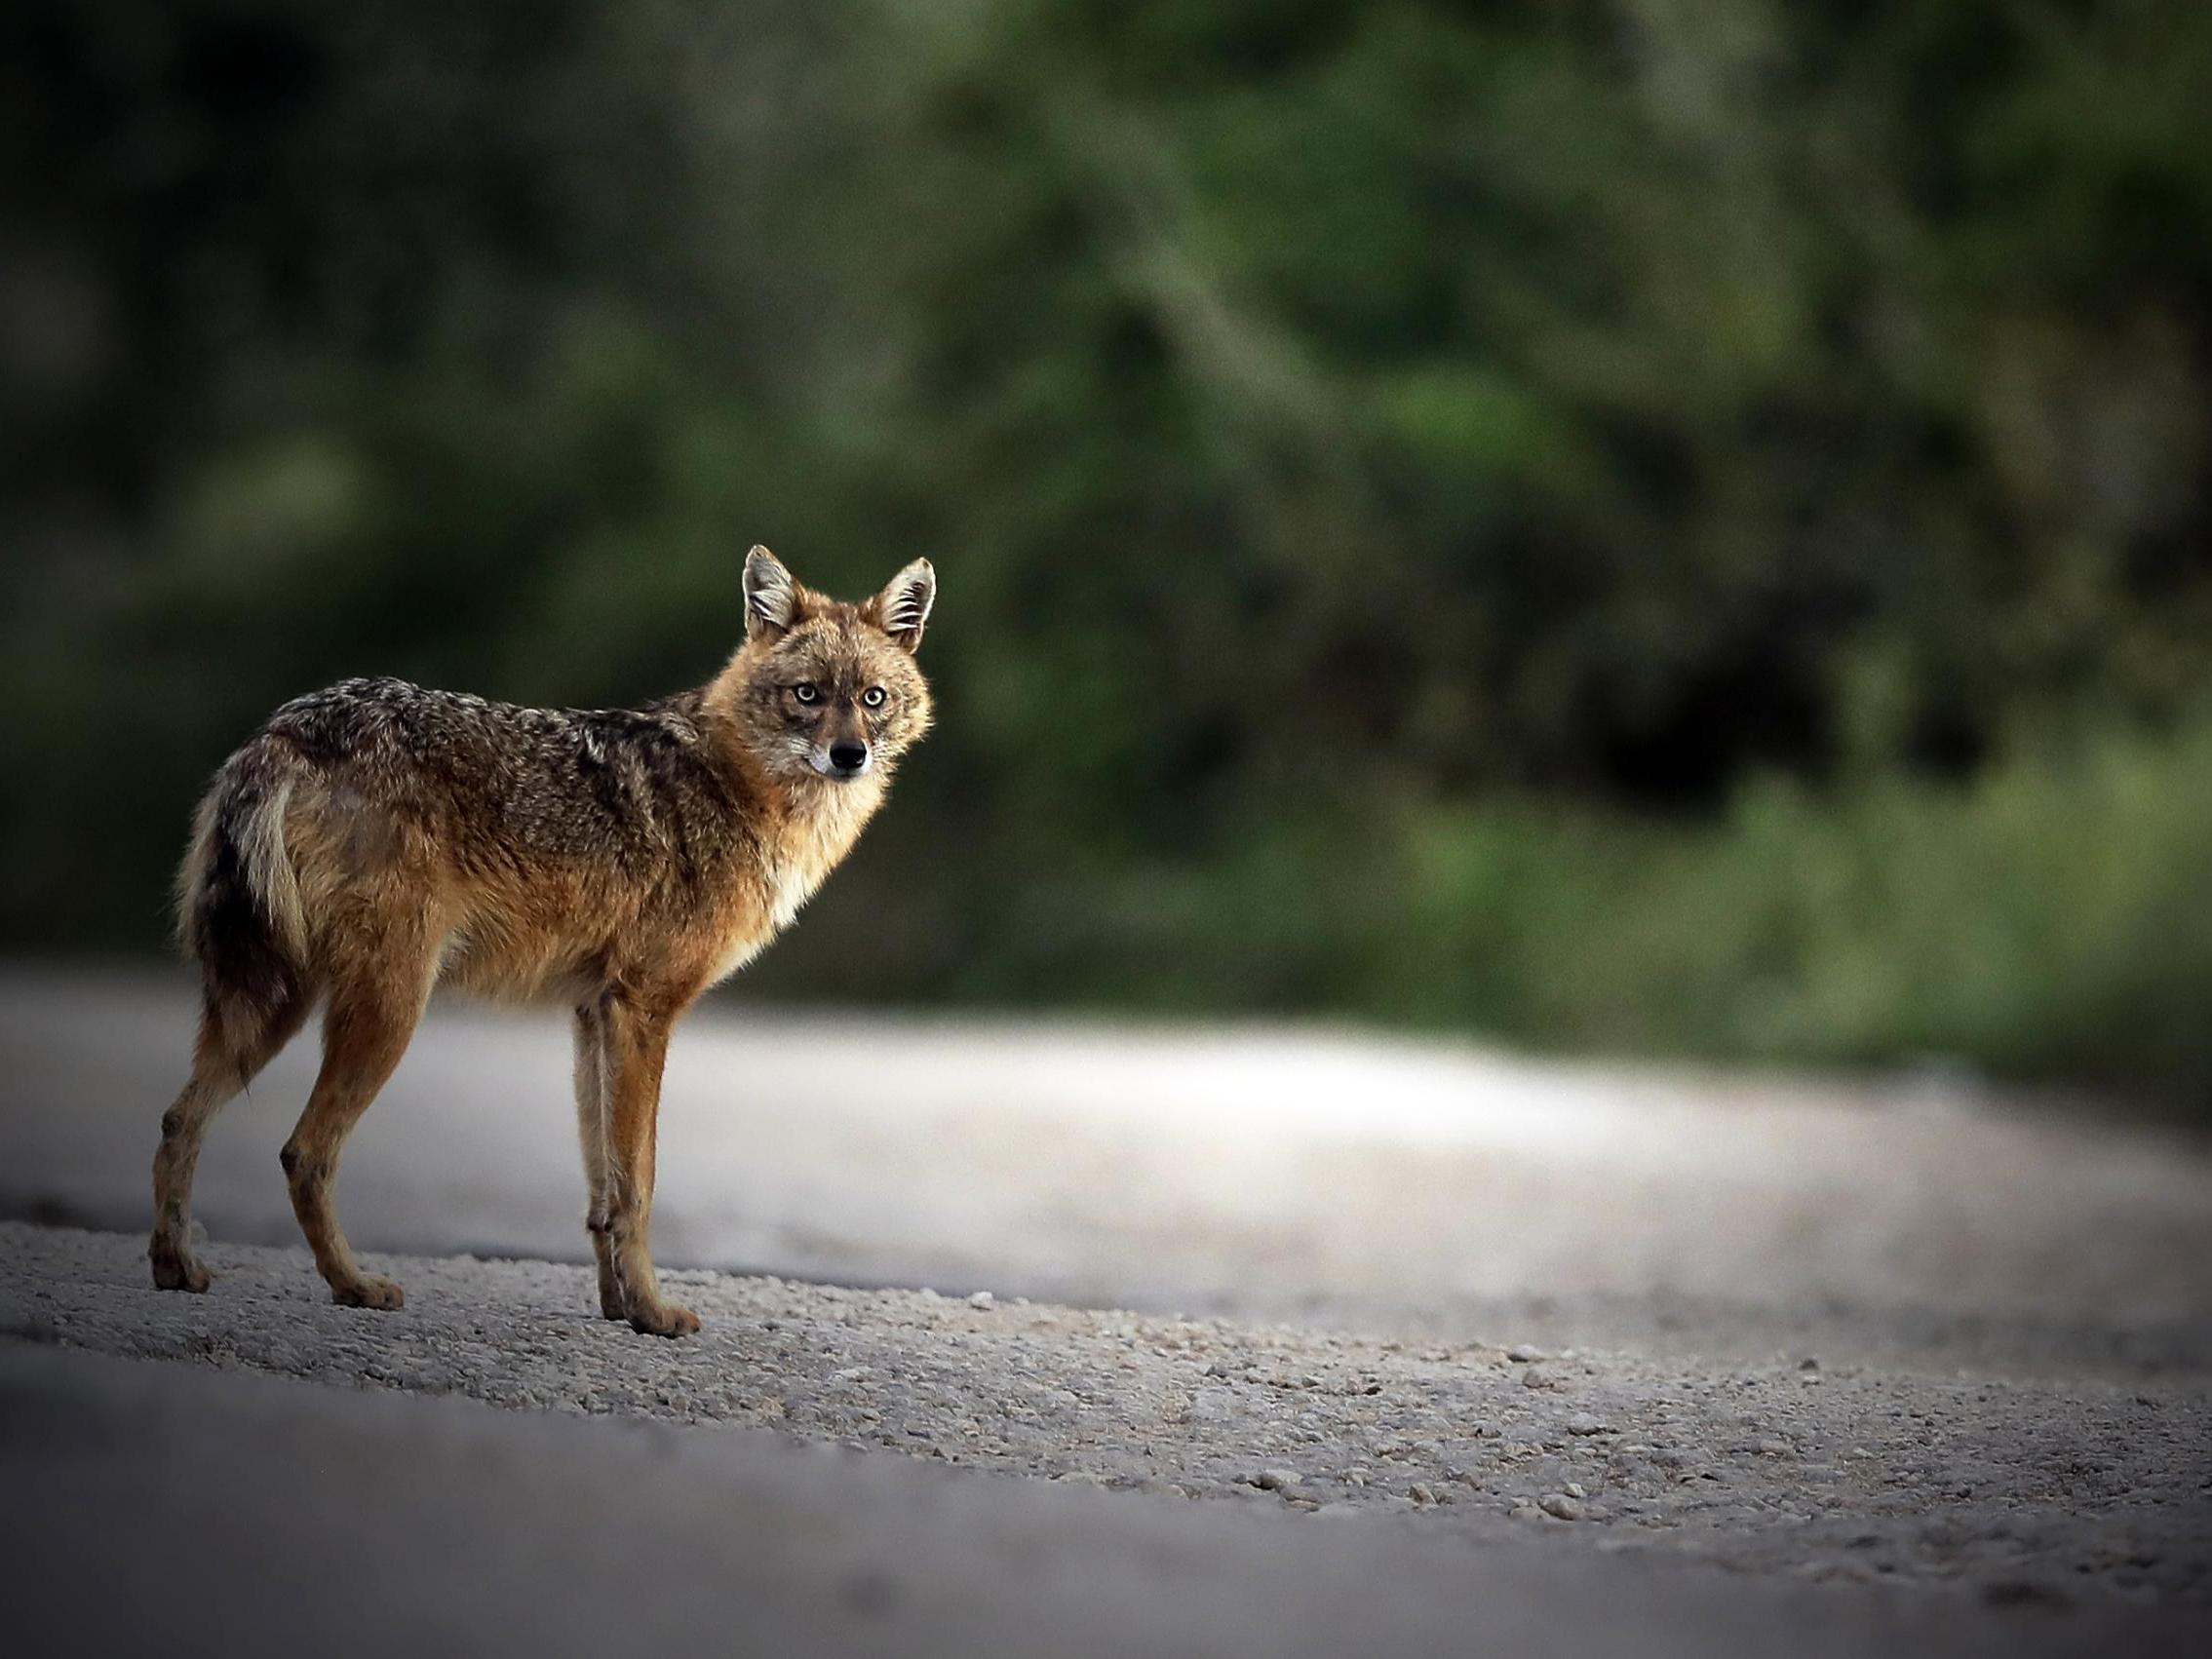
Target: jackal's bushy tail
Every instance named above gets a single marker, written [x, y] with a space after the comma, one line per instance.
[239, 910]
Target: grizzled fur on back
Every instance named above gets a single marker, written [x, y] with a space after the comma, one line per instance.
[459, 804]
[378, 837]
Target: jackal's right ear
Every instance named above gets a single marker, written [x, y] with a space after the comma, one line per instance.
[771, 595]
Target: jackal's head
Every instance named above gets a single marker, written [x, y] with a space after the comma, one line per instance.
[823, 690]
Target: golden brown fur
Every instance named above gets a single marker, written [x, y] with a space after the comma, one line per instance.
[376, 839]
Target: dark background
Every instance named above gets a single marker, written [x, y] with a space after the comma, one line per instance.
[1671, 527]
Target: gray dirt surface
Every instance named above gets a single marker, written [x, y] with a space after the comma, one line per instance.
[1434, 1192]
[1487, 1351]
[182, 1510]
[2028, 1492]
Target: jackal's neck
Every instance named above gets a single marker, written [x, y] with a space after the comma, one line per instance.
[828, 816]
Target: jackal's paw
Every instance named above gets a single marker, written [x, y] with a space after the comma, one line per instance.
[369, 1291]
[662, 1319]
[175, 1271]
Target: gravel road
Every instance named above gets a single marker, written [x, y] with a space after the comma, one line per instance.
[1601, 1350]
[188, 1510]
[1434, 1192]
[2021, 1490]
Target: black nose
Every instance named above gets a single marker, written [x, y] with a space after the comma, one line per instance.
[848, 756]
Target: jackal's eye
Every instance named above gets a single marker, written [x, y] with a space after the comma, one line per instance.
[873, 697]
[806, 691]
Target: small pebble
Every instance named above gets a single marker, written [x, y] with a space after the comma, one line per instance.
[1520, 1353]
[1276, 1480]
[983, 1299]
[1584, 1423]
[1560, 1505]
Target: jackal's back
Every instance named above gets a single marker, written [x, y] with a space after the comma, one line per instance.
[539, 847]
[501, 784]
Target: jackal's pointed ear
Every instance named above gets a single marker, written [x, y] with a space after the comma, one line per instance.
[903, 606]
[771, 595]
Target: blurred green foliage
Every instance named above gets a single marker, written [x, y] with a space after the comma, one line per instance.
[1649, 524]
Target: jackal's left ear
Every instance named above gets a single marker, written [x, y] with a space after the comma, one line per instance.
[903, 606]
[771, 595]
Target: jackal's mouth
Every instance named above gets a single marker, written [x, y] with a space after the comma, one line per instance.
[842, 767]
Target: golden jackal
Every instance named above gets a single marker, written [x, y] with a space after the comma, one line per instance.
[375, 839]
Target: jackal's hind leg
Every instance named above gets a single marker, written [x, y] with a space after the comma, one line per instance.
[366, 1029]
[219, 1070]
[184, 1128]
[591, 1133]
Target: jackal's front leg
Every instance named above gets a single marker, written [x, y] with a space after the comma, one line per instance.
[636, 1048]
[591, 1111]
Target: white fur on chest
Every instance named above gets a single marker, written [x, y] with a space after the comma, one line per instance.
[797, 863]
[742, 951]
[788, 888]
